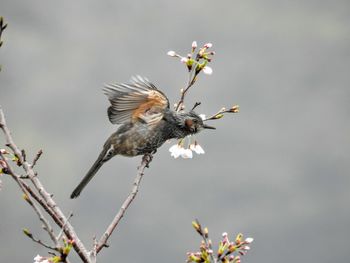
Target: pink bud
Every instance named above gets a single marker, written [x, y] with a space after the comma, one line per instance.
[184, 60]
[208, 45]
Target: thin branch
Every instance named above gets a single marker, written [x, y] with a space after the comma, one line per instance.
[24, 155]
[24, 187]
[30, 235]
[146, 159]
[60, 234]
[36, 158]
[222, 111]
[180, 104]
[68, 228]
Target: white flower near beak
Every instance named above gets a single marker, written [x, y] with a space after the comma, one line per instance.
[187, 154]
[176, 150]
[197, 148]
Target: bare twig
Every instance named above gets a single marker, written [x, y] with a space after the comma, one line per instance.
[36, 158]
[146, 159]
[30, 235]
[24, 155]
[60, 234]
[180, 104]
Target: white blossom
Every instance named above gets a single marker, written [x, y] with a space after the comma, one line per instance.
[187, 154]
[40, 259]
[176, 150]
[249, 240]
[203, 117]
[197, 148]
[171, 53]
[207, 70]
[208, 45]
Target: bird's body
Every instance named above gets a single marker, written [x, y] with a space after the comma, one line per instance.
[147, 122]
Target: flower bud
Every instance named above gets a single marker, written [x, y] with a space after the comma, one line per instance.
[194, 45]
[25, 197]
[206, 232]
[235, 109]
[27, 232]
[3, 151]
[239, 238]
[196, 226]
[218, 116]
[184, 60]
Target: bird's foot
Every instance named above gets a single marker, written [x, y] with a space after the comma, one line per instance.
[147, 158]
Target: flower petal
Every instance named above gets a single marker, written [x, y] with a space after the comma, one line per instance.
[197, 148]
[171, 53]
[187, 154]
[207, 70]
[176, 150]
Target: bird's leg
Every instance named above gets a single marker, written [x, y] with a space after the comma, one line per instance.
[147, 158]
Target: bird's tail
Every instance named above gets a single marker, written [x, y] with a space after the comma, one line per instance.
[93, 170]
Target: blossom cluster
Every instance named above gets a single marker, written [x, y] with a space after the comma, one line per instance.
[197, 61]
[228, 251]
[186, 153]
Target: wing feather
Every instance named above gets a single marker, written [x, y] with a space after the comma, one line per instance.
[135, 101]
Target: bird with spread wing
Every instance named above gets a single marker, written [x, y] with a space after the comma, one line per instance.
[146, 123]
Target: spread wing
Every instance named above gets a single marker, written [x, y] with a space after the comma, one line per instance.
[139, 100]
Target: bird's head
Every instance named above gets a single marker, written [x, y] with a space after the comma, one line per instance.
[192, 123]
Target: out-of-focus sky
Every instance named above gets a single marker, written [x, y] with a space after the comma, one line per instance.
[277, 171]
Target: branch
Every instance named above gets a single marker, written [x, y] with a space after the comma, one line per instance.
[48, 203]
[36, 158]
[146, 159]
[36, 240]
[24, 187]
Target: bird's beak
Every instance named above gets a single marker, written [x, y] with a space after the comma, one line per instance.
[208, 127]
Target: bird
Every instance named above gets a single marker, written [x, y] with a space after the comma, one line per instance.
[146, 122]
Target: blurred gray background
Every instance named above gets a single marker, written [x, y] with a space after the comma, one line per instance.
[277, 171]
